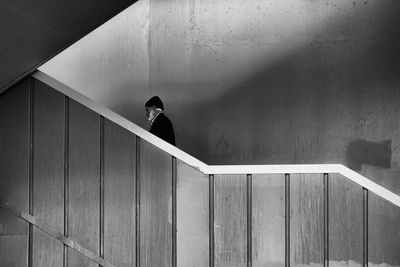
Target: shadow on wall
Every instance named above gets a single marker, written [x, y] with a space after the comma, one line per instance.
[369, 153]
[311, 105]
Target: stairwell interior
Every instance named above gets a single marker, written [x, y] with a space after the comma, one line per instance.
[81, 186]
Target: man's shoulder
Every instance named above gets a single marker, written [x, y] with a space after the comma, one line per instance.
[162, 127]
[162, 118]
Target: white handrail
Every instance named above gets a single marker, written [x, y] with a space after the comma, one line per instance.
[256, 169]
[216, 169]
[306, 168]
[118, 119]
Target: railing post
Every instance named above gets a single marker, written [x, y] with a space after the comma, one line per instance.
[137, 202]
[326, 220]
[174, 212]
[365, 227]
[30, 177]
[249, 220]
[211, 220]
[66, 178]
[101, 239]
[287, 220]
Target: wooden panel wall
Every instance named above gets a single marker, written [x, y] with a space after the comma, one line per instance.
[48, 172]
[119, 195]
[268, 220]
[84, 181]
[14, 172]
[345, 221]
[192, 217]
[155, 206]
[84, 156]
[230, 220]
[89, 168]
[306, 220]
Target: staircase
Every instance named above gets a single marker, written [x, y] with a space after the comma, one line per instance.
[82, 186]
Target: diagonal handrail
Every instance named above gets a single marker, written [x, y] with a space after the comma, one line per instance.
[42, 226]
[216, 169]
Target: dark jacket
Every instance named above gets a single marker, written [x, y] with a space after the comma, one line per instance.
[162, 128]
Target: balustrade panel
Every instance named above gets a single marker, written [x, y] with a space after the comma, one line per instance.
[48, 172]
[119, 195]
[155, 206]
[268, 220]
[192, 216]
[230, 227]
[14, 172]
[306, 220]
[84, 181]
[345, 222]
[383, 232]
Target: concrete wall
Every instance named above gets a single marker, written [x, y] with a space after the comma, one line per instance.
[255, 82]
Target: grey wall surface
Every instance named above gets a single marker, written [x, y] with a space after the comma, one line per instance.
[260, 82]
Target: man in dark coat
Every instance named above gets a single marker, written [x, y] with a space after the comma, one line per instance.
[161, 126]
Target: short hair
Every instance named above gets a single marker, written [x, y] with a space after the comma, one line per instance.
[155, 101]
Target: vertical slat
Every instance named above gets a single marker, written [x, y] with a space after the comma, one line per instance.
[14, 173]
[66, 178]
[326, 220]
[84, 181]
[48, 172]
[307, 219]
[230, 220]
[345, 221]
[119, 195]
[192, 216]
[287, 220]
[155, 206]
[365, 227]
[211, 194]
[101, 190]
[268, 226]
[174, 207]
[137, 202]
[382, 231]
[249, 219]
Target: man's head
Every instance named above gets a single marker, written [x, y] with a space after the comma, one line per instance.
[153, 106]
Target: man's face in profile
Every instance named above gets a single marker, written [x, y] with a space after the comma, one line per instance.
[150, 112]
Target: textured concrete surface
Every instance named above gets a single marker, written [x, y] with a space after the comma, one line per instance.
[255, 82]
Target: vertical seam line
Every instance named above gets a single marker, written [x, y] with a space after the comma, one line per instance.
[211, 220]
[31, 154]
[101, 240]
[326, 219]
[174, 212]
[249, 219]
[66, 177]
[137, 200]
[365, 227]
[287, 220]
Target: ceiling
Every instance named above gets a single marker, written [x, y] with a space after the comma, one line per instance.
[33, 31]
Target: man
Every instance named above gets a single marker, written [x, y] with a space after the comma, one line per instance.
[161, 126]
